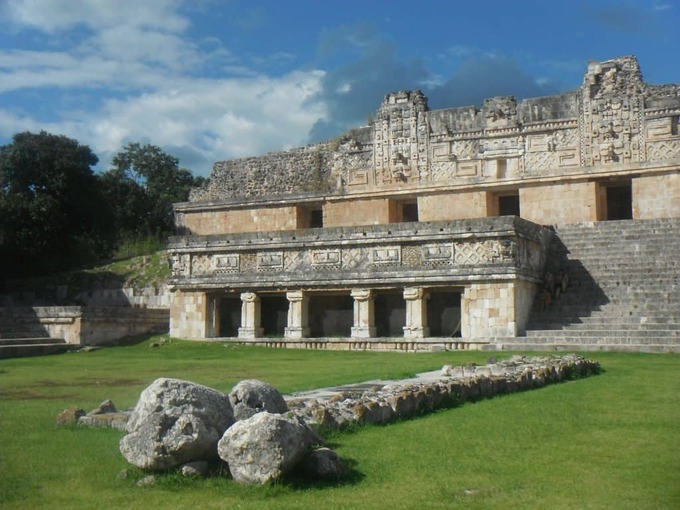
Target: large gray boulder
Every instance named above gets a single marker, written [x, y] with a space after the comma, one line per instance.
[251, 396]
[175, 422]
[263, 448]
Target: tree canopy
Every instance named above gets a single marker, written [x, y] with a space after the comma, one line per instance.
[142, 185]
[56, 213]
[52, 215]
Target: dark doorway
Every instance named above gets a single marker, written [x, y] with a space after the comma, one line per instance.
[409, 211]
[508, 205]
[316, 218]
[390, 314]
[330, 315]
[620, 202]
[229, 316]
[443, 313]
[273, 315]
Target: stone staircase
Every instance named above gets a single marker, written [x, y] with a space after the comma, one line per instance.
[624, 290]
[20, 337]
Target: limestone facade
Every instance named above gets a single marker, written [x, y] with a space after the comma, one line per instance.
[364, 236]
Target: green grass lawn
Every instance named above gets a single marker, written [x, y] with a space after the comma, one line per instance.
[611, 441]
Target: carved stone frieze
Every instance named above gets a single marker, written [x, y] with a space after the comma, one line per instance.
[663, 150]
[180, 265]
[202, 265]
[382, 255]
[329, 257]
[228, 263]
[270, 261]
[369, 258]
[549, 151]
[500, 112]
[401, 139]
[611, 112]
[606, 122]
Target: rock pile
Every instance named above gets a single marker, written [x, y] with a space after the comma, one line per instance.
[183, 425]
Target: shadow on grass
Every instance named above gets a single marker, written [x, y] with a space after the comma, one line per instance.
[130, 341]
[302, 481]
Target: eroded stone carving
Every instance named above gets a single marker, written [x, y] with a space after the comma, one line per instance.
[603, 123]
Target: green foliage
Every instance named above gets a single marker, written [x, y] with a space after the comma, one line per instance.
[56, 214]
[141, 271]
[141, 186]
[129, 248]
[609, 441]
[52, 215]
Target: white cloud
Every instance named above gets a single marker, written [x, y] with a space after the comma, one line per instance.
[213, 119]
[134, 59]
[660, 7]
[58, 15]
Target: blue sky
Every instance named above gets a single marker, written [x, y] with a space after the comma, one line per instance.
[209, 80]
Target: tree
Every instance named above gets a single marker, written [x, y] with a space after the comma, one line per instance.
[52, 216]
[142, 185]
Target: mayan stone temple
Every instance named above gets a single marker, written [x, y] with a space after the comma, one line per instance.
[546, 223]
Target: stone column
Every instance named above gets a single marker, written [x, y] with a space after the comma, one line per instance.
[416, 313]
[298, 315]
[364, 316]
[250, 316]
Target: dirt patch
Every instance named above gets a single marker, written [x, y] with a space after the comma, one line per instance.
[34, 394]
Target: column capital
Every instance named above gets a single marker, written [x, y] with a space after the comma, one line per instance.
[412, 293]
[362, 294]
[249, 297]
[295, 295]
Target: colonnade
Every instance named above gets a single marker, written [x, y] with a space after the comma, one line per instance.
[487, 309]
[363, 316]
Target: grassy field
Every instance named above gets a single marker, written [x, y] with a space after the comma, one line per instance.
[609, 441]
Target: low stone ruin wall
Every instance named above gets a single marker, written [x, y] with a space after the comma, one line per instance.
[62, 295]
[455, 385]
[81, 325]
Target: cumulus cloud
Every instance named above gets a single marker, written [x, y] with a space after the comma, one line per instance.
[129, 71]
[211, 120]
[58, 15]
[142, 68]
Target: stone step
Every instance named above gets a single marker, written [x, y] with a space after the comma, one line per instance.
[603, 321]
[602, 347]
[30, 341]
[624, 289]
[19, 349]
[549, 337]
[612, 332]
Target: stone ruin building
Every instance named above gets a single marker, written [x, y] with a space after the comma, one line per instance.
[427, 228]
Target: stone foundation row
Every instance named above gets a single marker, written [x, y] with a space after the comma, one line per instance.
[456, 385]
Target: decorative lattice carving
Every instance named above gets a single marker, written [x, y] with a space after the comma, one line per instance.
[473, 253]
[665, 149]
[354, 258]
[201, 265]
